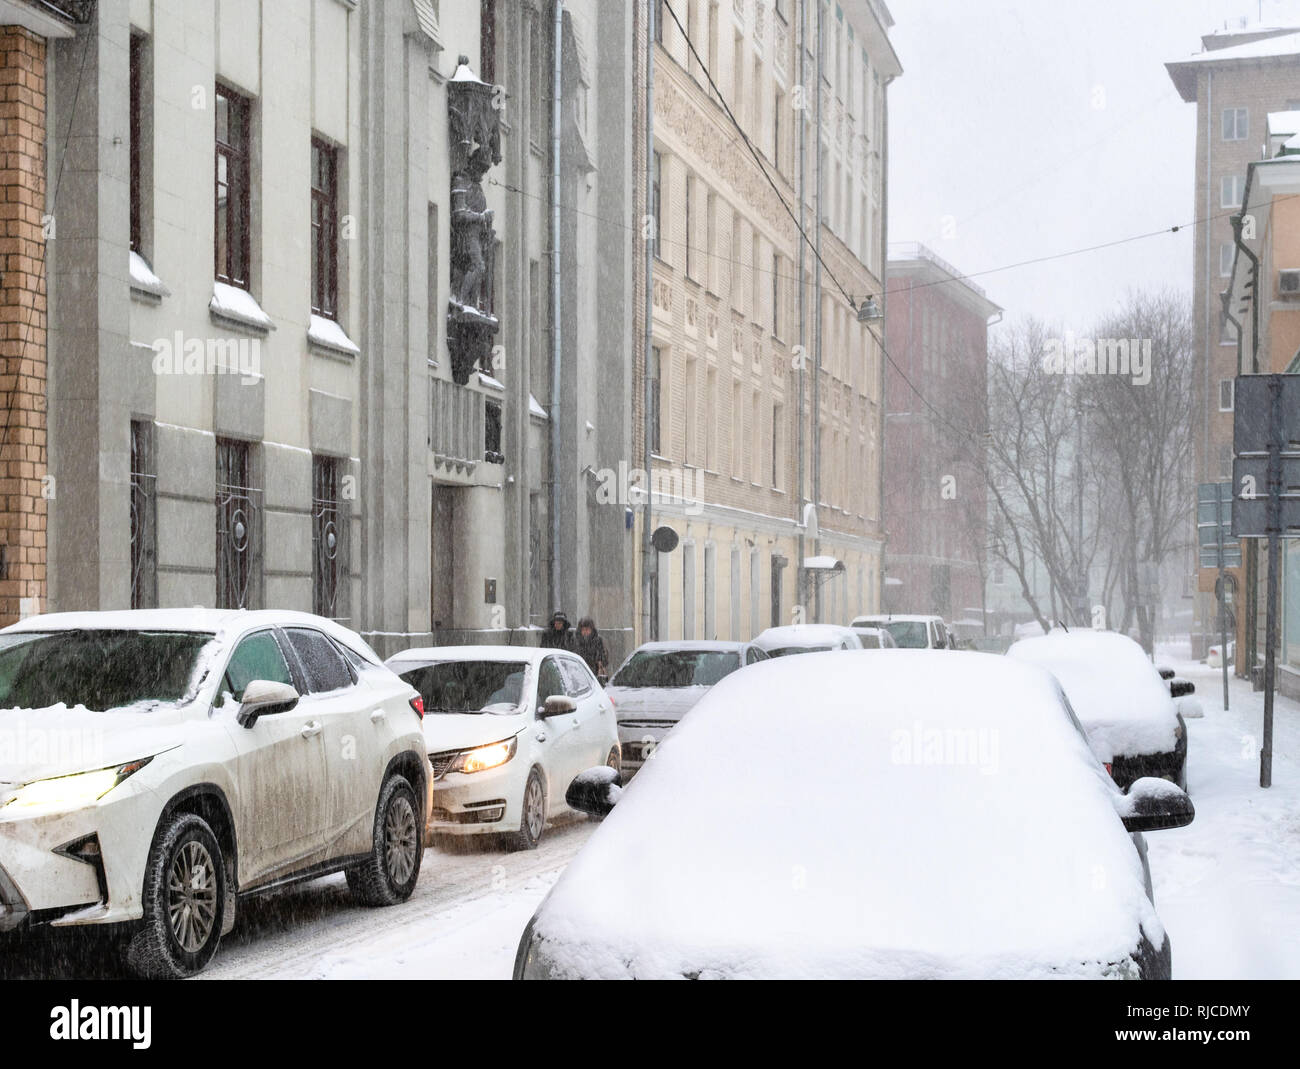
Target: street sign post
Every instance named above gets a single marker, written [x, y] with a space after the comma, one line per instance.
[1266, 499]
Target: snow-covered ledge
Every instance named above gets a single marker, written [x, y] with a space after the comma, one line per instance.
[535, 409]
[144, 282]
[233, 305]
[327, 334]
[491, 383]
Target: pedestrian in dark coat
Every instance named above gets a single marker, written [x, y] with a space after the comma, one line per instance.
[591, 648]
[559, 633]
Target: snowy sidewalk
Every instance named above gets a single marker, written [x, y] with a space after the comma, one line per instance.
[1228, 886]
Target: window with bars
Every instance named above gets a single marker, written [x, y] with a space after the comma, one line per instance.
[231, 220]
[324, 229]
[488, 41]
[137, 58]
[239, 521]
[144, 517]
[328, 542]
[653, 416]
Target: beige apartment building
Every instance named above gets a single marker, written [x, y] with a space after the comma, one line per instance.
[1242, 74]
[737, 457]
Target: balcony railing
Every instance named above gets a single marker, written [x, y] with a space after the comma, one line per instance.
[456, 423]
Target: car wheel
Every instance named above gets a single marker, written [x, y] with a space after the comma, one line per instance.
[392, 867]
[184, 902]
[533, 818]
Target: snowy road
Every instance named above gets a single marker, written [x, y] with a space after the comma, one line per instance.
[464, 921]
[1228, 886]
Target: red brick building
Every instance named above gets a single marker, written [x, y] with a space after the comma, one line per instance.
[935, 508]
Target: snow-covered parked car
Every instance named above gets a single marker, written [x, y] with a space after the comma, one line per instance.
[158, 765]
[661, 681]
[874, 638]
[949, 821]
[1125, 707]
[507, 728]
[910, 631]
[1214, 655]
[806, 638]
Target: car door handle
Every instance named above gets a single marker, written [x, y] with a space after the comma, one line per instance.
[377, 716]
[310, 729]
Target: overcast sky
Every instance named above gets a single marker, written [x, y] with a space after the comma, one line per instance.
[1028, 128]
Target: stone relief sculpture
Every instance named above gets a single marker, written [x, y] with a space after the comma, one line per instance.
[475, 135]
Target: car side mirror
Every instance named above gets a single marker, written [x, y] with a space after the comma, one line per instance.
[558, 704]
[263, 697]
[595, 791]
[1152, 804]
[1179, 688]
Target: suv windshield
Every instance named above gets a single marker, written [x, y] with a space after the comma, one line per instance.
[909, 634]
[469, 686]
[101, 670]
[676, 668]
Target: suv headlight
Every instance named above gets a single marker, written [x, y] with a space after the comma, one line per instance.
[481, 758]
[71, 792]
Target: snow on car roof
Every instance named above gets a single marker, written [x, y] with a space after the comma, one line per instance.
[1115, 691]
[531, 654]
[888, 617]
[692, 644]
[802, 635]
[936, 814]
[198, 619]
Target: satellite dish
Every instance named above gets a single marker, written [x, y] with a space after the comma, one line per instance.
[664, 539]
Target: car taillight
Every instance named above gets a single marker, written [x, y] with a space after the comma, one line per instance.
[1108, 771]
[417, 703]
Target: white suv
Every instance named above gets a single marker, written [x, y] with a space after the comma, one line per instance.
[911, 632]
[156, 765]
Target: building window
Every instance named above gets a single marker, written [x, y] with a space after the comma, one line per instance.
[487, 62]
[660, 15]
[778, 567]
[144, 517]
[328, 526]
[232, 188]
[778, 106]
[777, 445]
[239, 513]
[433, 309]
[537, 80]
[1226, 394]
[652, 416]
[656, 198]
[138, 46]
[1236, 124]
[492, 433]
[324, 229]
[1232, 187]
[1226, 254]
[776, 294]
[686, 215]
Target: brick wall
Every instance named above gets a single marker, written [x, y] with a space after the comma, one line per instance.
[22, 320]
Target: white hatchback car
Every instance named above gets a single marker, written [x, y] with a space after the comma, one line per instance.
[507, 728]
[157, 765]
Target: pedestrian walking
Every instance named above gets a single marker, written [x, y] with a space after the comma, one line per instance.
[559, 633]
[591, 648]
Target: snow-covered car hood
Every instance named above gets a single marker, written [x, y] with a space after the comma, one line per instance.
[938, 815]
[1116, 693]
[462, 731]
[59, 740]
[655, 703]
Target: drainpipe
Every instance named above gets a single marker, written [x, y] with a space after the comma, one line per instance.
[648, 562]
[884, 312]
[817, 311]
[557, 42]
[801, 594]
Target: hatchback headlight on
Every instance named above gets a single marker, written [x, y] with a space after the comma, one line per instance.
[69, 792]
[482, 758]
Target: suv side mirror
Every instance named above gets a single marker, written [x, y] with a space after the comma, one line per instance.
[262, 697]
[594, 791]
[558, 704]
[1152, 804]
